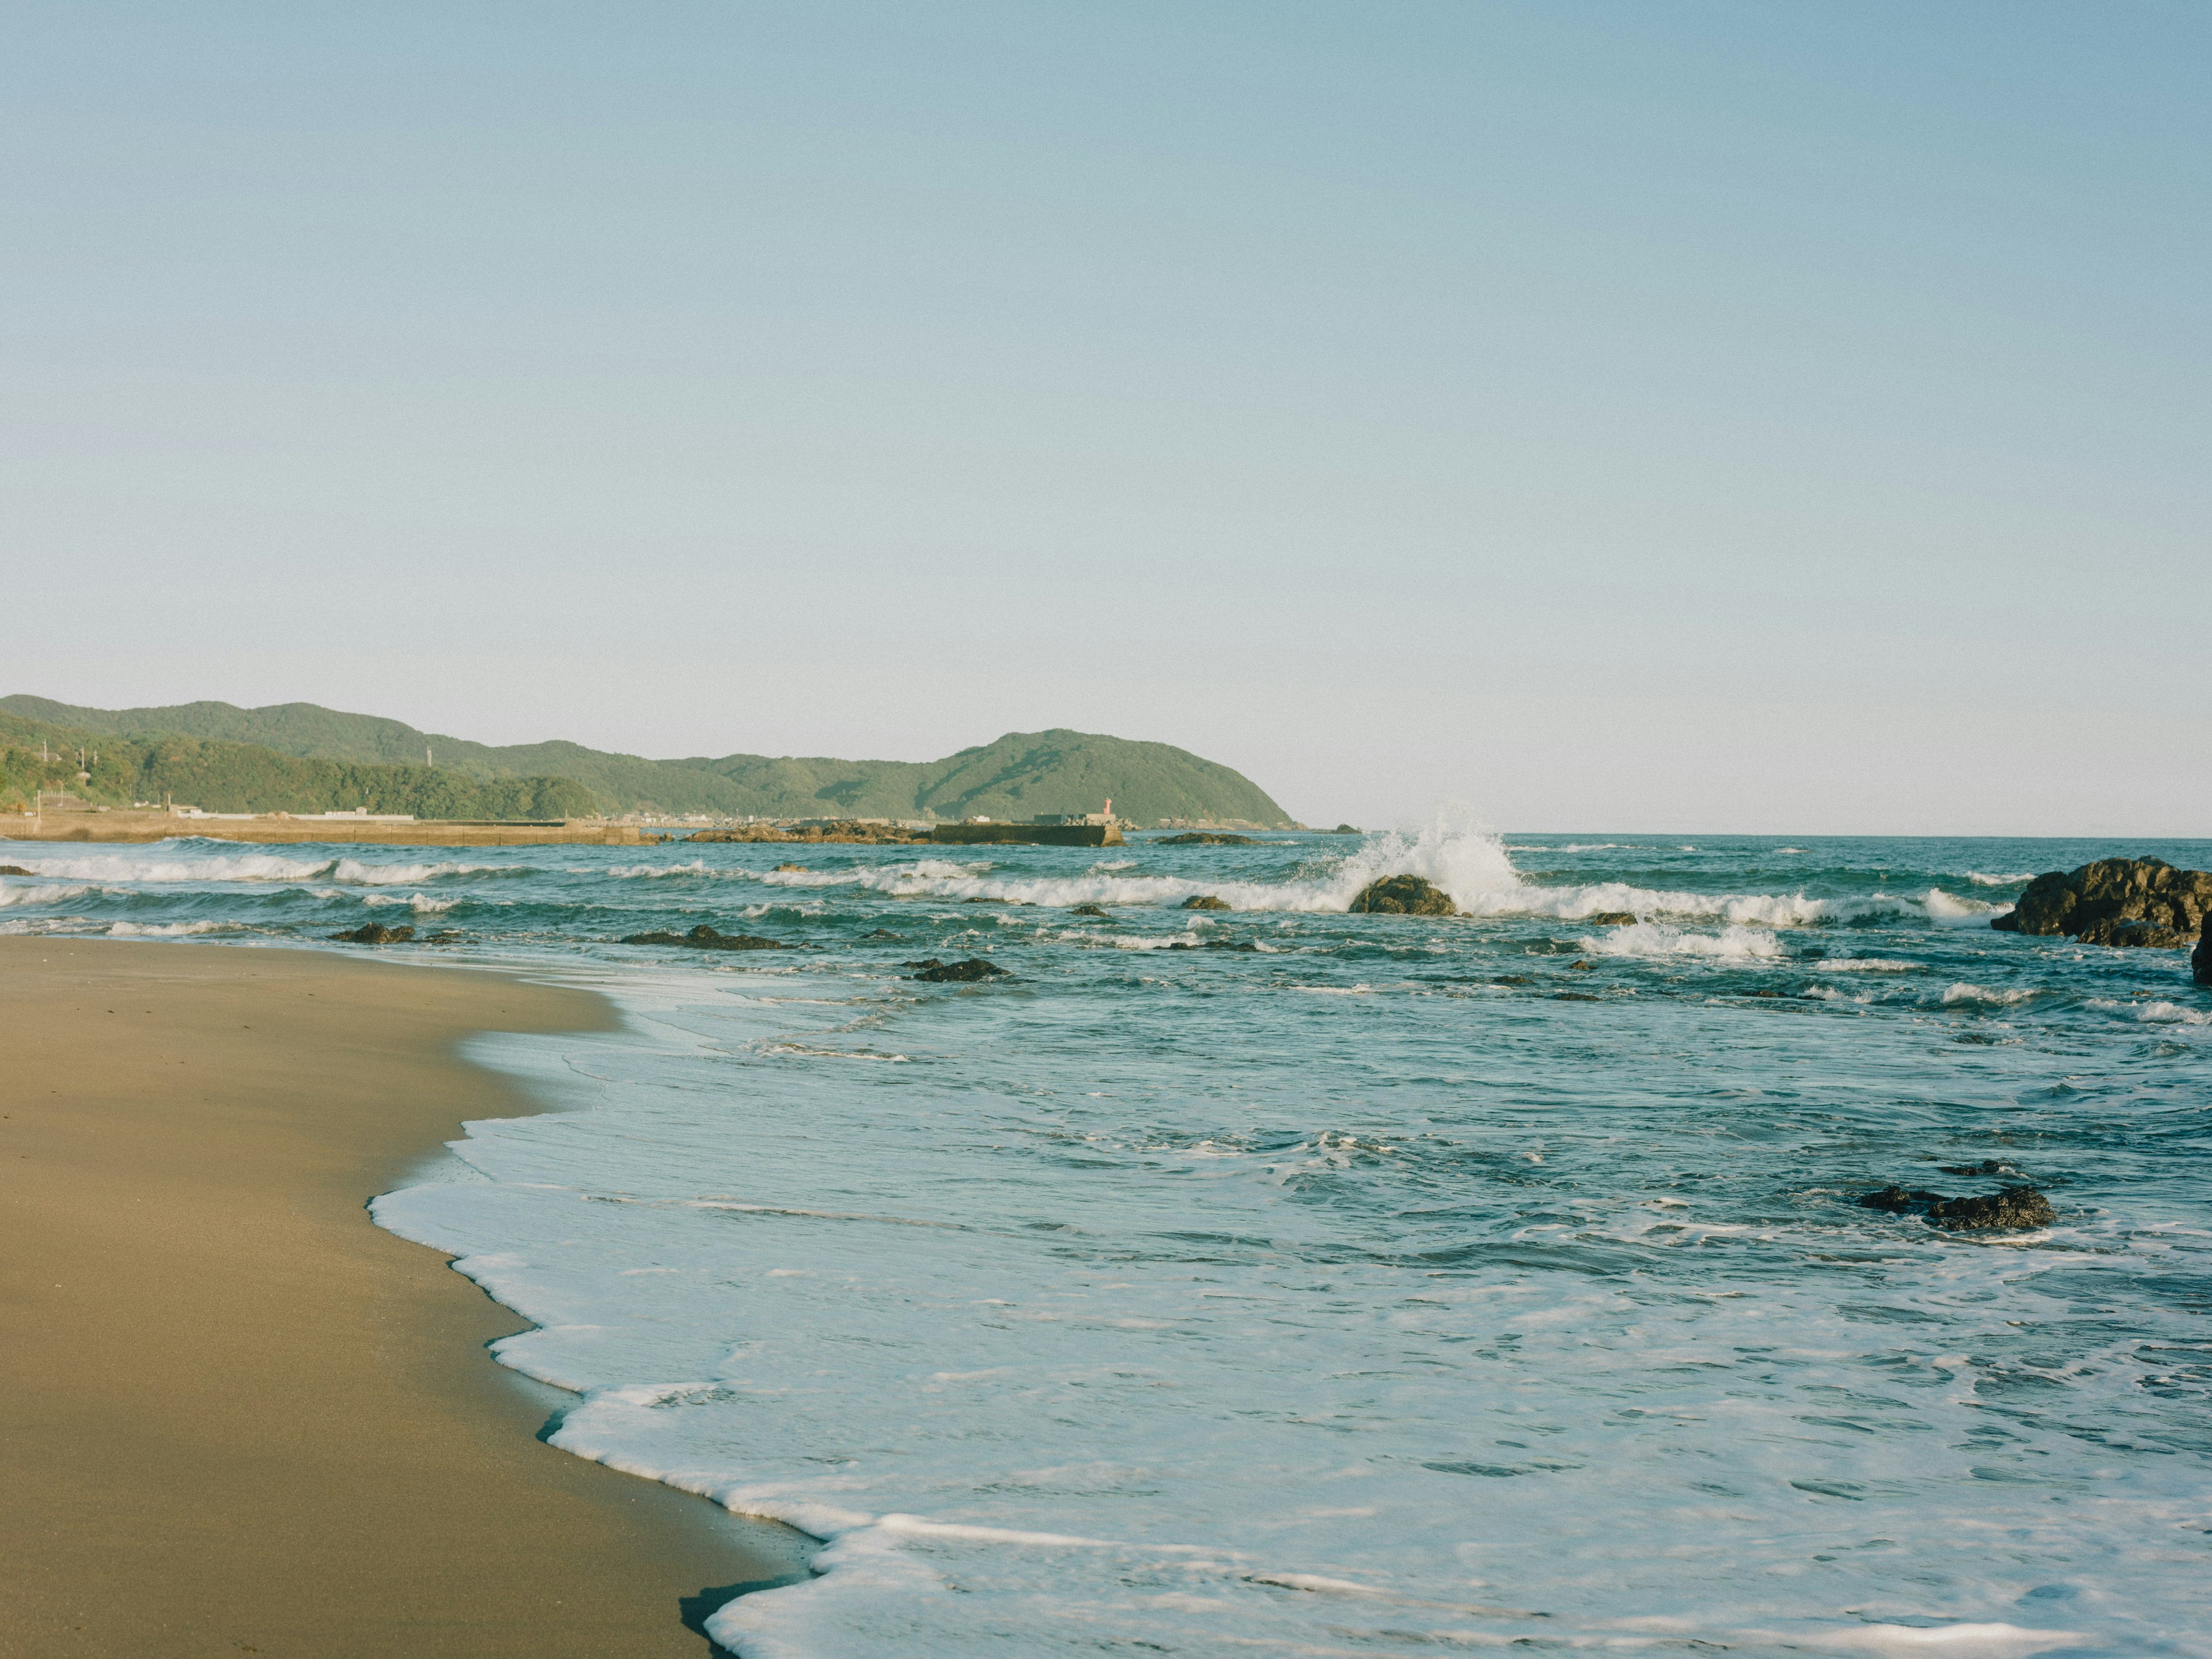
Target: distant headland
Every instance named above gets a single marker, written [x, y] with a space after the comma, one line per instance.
[300, 757]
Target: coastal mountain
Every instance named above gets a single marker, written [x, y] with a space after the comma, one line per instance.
[1023, 775]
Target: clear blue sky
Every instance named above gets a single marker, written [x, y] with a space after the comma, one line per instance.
[1702, 417]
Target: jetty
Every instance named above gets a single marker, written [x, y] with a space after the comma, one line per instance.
[361, 829]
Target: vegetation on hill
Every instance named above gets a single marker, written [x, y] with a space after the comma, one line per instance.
[1023, 775]
[239, 777]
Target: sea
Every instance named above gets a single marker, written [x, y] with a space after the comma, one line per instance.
[1278, 1281]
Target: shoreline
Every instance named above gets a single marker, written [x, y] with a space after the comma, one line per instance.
[236, 1415]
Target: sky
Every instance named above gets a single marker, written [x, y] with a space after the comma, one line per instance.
[1681, 416]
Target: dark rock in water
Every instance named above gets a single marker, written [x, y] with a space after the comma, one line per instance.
[1089, 910]
[1205, 901]
[703, 938]
[1574, 996]
[13, 870]
[1205, 838]
[885, 933]
[1612, 919]
[2122, 902]
[796, 869]
[377, 933]
[1403, 895]
[1987, 1166]
[2200, 959]
[1512, 979]
[973, 969]
[2015, 1208]
[1231, 944]
[447, 936]
[1764, 993]
[1586, 966]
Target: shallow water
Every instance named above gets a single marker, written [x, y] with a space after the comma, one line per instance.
[1390, 1285]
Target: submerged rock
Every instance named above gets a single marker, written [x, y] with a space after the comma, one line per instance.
[1089, 910]
[2119, 902]
[1205, 838]
[2013, 1209]
[703, 938]
[1404, 895]
[1205, 901]
[793, 869]
[885, 933]
[1987, 1166]
[376, 934]
[973, 969]
[2200, 959]
[1612, 919]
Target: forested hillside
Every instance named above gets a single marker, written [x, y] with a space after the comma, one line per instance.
[239, 777]
[1023, 775]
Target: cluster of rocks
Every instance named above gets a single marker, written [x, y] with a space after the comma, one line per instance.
[2124, 901]
[2013, 1208]
[1089, 910]
[1205, 902]
[376, 933]
[1206, 838]
[1403, 895]
[975, 968]
[703, 938]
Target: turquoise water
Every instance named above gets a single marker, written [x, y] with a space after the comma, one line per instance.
[1283, 1281]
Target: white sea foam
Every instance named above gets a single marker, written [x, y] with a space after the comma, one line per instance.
[53, 893]
[1982, 880]
[133, 868]
[1863, 965]
[421, 903]
[2158, 1012]
[1656, 940]
[1967, 993]
[171, 929]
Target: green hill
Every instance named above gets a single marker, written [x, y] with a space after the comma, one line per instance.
[244, 777]
[1023, 775]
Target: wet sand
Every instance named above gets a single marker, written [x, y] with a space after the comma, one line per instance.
[235, 1416]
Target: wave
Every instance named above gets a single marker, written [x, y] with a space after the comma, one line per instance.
[1963, 993]
[2160, 1013]
[172, 929]
[250, 867]
[420, 903]
[1655, 939]
[1982, 880]
[49, 894]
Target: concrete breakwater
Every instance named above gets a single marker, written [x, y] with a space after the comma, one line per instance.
[431, 832]
[1036, 834]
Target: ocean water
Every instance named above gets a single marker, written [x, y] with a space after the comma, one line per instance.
[1283, 1282]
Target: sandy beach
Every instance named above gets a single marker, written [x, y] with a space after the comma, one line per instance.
[236, 1417]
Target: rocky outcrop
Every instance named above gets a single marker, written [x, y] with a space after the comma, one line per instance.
[1205, 838]
[376, 934]
[703, 938]
[2143, 902]
[1611, 919]
[1087, 910]
[2200, 959]
[2013, 1208]
[13, 870]
[1205, 902]
[975, 968]
[1404, 895]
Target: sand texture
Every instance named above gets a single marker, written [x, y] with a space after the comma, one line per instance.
[236, 1417]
